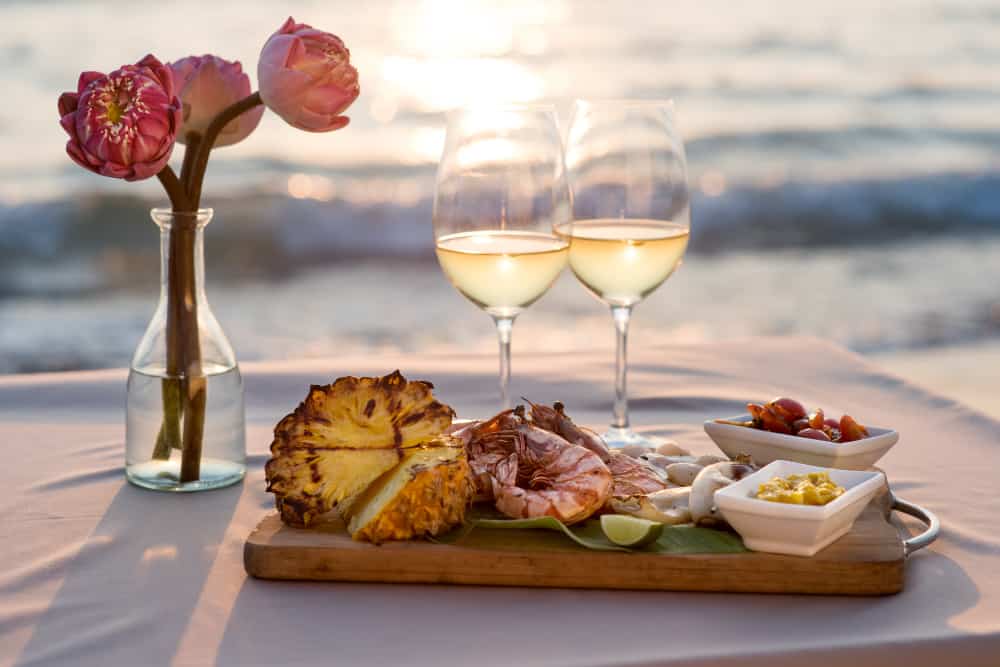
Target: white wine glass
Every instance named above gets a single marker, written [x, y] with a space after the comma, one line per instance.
[631, 216]
[500, 195]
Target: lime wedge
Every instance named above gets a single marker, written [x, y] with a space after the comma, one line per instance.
[630, 531]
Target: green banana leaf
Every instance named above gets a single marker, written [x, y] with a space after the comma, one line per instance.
[481, 530]
[583, 535]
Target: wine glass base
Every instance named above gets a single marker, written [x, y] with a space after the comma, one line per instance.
[616, 438]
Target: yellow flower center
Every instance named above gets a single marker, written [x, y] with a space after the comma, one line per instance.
[332, 55]
[117, 102]
[114, 112]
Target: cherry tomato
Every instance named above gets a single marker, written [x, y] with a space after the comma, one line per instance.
[850, 430]
[770, 421]
[788, 409]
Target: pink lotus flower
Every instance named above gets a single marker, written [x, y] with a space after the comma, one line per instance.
[122, 124]
[207, 85]
[306, 77]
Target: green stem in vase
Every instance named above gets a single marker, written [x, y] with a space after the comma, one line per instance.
[169, 436]
[183, 346]
[183, 232]
[184, 364]
[194, 427]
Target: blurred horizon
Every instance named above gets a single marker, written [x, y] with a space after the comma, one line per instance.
[843, 159]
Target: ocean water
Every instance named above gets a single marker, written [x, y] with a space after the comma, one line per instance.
[844, 157]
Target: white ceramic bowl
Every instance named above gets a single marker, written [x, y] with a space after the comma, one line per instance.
[797, 530]
[764, 446]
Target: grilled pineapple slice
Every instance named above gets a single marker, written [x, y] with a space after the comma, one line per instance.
[344, 436]
[426, 494]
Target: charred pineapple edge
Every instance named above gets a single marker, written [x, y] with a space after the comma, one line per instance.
[300, 509]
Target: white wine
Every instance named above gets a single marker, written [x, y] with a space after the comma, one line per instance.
[622, 261]
[502, 272]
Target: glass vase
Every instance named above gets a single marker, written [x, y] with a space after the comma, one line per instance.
[185, 422]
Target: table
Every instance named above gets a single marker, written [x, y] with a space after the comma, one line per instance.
[96, 572]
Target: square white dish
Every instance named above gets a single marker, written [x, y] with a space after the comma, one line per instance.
[764, 446]
[797, 530]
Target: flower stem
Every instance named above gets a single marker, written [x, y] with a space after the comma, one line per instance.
[193, 139]
[187, 346]
[169, 436]
[175, 189]
[183, 343]
[194, 427]
[204, 147]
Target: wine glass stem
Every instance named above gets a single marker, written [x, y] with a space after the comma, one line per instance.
[621, 316]
[504, 327]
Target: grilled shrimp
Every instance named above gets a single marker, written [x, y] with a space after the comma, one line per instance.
[554, 478]
[534, 472]
[486, 452]
[634, 477]
[556, 420]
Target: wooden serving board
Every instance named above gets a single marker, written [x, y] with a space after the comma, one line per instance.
[867, 561]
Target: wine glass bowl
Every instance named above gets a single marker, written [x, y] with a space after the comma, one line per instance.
[622, 262]
[631, 215]
[626, 161]
[500, 196]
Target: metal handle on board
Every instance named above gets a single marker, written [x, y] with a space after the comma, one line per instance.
[920, 541]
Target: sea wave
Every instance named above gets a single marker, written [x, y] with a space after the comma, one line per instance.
[98, 241]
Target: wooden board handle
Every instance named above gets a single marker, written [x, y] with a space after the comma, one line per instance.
[920, 541]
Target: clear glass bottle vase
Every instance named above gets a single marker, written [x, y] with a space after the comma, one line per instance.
[185, 422]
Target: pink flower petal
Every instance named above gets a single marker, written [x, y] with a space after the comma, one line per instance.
[317, 122]
[87, 78]
[290, 26]
[143, 170]
[306, 77]
[281, 50]
[68, 123]
[153, 126]
[330, 99]
[114, 170]
[77, 156]
[160, 72]
[68, 103]
[240, 127]
[144, 148]
[282, 89]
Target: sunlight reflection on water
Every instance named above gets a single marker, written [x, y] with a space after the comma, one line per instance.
[827, 88]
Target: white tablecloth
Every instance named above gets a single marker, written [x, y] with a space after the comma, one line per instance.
[96, 572]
